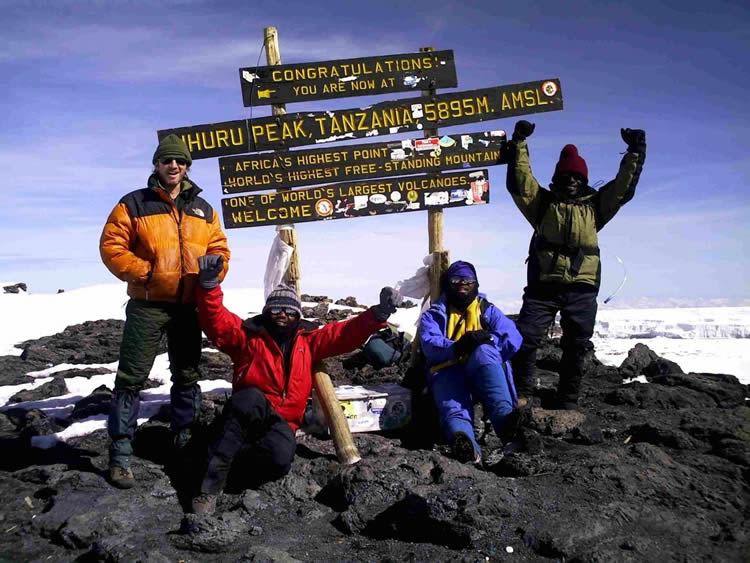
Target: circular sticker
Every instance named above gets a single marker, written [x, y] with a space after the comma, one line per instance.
[395, 196]
[324, 207]
[412, 196]
[549, 88]
[378, 198]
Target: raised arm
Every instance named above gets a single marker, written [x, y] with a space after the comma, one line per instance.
[222, 327]
[339, 338]
[344, 336]
[616, 193]
[520, 181]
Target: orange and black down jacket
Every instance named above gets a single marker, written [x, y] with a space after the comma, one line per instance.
[149, 243]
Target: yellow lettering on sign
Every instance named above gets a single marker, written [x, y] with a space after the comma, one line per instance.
[523, 99]
[334, 87]
[207, 140]
[456, 109]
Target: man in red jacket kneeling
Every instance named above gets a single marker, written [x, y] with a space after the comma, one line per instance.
[273, 358]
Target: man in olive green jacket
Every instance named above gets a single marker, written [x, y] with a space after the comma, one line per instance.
[564, 270]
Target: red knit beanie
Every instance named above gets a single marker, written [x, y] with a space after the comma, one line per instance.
[570, 163]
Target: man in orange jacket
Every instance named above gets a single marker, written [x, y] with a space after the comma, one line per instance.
[273, 355]
[152, 240]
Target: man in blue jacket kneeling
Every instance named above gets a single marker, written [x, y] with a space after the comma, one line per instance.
[467, 343]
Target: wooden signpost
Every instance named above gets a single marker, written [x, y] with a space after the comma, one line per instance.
[385, 118]
[347, 77]
[272, 170]
[288, 234]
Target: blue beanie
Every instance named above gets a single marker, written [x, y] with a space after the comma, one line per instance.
[459, 269]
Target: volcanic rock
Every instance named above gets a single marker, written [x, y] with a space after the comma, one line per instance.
[643, 471]
[93, 342]
[314, 298]
[45, 391]
[97, 402]
[348, 301]
[15, 288]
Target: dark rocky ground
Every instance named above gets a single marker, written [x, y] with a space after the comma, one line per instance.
[644, 472]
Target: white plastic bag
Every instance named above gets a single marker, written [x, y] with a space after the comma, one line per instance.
[417, 286]
[278, 262]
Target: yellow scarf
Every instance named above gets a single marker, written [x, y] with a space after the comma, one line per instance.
[459, 323]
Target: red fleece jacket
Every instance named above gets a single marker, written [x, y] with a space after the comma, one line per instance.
[258, 361]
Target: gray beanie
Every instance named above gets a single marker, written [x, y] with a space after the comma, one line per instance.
[174, 147]
[283, 296]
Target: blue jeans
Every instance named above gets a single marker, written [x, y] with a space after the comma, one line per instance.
[483, 378]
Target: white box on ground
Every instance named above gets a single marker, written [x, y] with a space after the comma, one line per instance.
[370, 408]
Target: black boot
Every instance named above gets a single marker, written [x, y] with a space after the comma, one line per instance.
[524, 371]
[121, 425]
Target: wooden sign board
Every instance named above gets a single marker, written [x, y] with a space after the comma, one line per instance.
[266, 171]
[357, 199]
[385, 118]
[303, 82]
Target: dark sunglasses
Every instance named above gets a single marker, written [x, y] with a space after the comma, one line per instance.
[286, 310]
[462, 281]
[180, 161]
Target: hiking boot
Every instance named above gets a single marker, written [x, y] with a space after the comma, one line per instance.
[493, 458]
[121, 477]
[565, 403]
[204, 504]
[463, 449]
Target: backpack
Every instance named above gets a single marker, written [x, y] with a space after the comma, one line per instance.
[385, 348]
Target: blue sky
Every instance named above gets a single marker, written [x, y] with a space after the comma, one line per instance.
[87, 84]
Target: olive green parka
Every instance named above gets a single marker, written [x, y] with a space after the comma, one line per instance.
[565, 246]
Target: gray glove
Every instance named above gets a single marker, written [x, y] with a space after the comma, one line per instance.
[209, 268]
[387, 306]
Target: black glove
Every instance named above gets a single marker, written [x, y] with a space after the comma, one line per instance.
[209, 268]
[522, 130]
[387, 306]
[470, 341]
[635, 139]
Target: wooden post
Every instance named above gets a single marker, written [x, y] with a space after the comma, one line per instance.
[434, 220]
[346, 451]
[288, 235]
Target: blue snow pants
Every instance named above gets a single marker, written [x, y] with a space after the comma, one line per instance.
[483, 378]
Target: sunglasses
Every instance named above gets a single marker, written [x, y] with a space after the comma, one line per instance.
[180, 161]
[289, 312]
[461, 281]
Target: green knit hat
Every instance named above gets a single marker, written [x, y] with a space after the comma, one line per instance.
[172, 146]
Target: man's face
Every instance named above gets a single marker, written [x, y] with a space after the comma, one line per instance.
[461, 291]
[171, 171]
[283, 317]
[568, 185]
